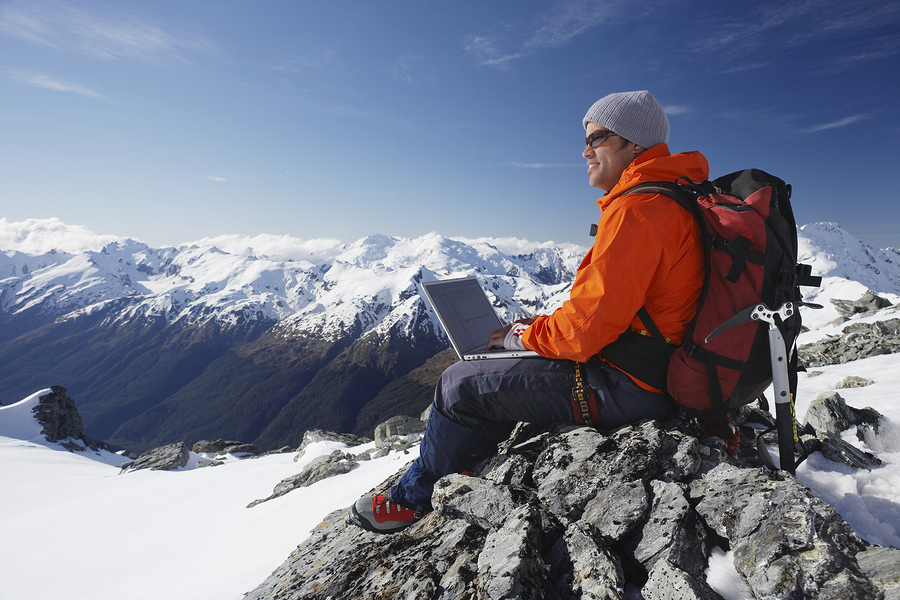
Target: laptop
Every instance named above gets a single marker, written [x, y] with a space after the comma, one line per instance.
[468, 318]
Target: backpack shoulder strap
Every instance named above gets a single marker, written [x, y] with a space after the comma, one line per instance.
[682, 190]
[685, 192]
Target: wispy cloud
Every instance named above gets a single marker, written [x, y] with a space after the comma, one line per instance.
[217, 178]
[570, 19]
[747, 67]
[877, 49]
[839, 123]
[49, 83]
[410, 68]
[555, 27]
[677, 109]
[73, 29]
[492, 49]
[789, 25]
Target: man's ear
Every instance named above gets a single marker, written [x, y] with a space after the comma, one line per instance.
[637, 150]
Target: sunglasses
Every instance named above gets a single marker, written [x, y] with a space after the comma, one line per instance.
[597, 138]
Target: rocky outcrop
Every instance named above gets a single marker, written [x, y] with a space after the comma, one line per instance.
[219, 448]
[859, 340]
[829, 413]
[396, 427]
[827, 417]
[867, 304]
[786, 542]
[58, 415]
[337, 462]
[61, 421]
[165, 458]
[574, 512]
[320, 435]
[213, 446]
[321, 467]
[853, 381]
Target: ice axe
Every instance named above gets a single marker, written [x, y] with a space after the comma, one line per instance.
[785, 419]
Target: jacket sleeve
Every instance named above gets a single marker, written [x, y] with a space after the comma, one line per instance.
[631, 252]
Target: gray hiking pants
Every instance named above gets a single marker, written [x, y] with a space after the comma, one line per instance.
[477, 403]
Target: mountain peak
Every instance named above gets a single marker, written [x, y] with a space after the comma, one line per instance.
[833, 252]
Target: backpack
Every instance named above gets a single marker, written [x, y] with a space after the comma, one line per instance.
[750, 244]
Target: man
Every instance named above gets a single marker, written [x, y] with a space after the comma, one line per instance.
[646, 254]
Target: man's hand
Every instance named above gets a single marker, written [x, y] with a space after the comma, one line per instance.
[496, 339]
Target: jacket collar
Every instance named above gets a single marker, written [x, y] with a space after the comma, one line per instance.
[657, 164]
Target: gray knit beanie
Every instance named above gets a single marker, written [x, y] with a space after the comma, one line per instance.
[636, 116]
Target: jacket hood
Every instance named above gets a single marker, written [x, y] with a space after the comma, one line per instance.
[657, 164]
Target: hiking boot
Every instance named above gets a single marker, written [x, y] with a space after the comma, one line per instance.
[380, 514]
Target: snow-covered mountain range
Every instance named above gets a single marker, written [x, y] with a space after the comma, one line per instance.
[327, 289]
[145, 338]
[322, 287]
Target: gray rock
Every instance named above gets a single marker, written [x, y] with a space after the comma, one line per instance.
[882, 565]
[579, 462]
[479, 501]
[165, 458]
[830, 413]
[580, 568]
[858, 340]
[241, 449]
[362, 456]
[617, 509]
[668, 582]
[400, 443]
[836, 449]
[868, 303]
[510, 566]
[60, 419]
[562, 512]
[73, 446]
[380, 453]
[679, 456]
[570, 470]
[320, 435]
[213, 446]
[397, 426]
[321, 467]
[201, 464]
[673, 531]
[853, 382]
[786, 542]
[507, 469]
[342, 561]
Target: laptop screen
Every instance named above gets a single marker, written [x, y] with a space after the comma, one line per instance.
[464, 311]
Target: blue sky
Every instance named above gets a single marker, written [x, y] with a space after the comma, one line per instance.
[172, 121]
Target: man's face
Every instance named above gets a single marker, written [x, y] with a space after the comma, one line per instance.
[608, 161]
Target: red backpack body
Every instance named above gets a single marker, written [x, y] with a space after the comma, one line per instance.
[750, 245]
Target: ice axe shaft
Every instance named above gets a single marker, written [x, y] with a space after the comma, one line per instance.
[785, 422]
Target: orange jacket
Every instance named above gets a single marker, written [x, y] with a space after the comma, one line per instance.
[647, 253]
